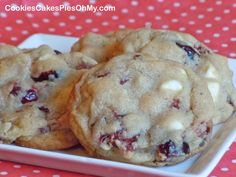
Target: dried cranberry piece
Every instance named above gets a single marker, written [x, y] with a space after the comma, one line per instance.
[203, 129]
[44, 109]
[15, 90]
[45, 76]
[83, 65]
[168, 149]
[136, 56]
[189, 50]
[31, 95]
[111, 140]
[176, 103]
[57, 52]
[103, 74]
[229, 100]
[124, 80]
[117, 116]
[185, 148]
[44, 130]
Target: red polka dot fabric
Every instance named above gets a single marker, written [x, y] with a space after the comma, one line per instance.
[213, 22]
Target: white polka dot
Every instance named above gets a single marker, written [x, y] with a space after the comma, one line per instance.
[160, 1]
[215, 50]
[213, 176]
[3, 173]
[14, 38]
[134, 3]
[30, 15]
[41, 5]
[72, 17]
[218, 2]
[19, 21]
[92, 1]
[198, 31]
[224, 169]
[68, 33]
[210, 9]
[233, 161]
[208, 25]
[202, 1]
[174, 20]
[193, 7]
[24, 32]
[191, 22]
[234, 21]
[66, 3]
[234, 5]
[124, 11]
[23, 176]
[61, 24]
[121, 26]
[98, 13]
[200, 16]
[182, 29]
[105, 23]
[167, 11]
[217, 18]
[225, 28]
[35, 25]
[216, 35]
[226, 11]
[165, 26]
[184, 14]
[46, 20]
[141, 14]
[36, 171]
[78, 27]
[56, 14]
[207, 41]
[94, 30]
[224, 45]
[55, 175]
[17, 166]
[51, 29]
[150, 8]
[114, 17]
[8, 28]
[232, 54]
[131, 20]
[88, 20]
[158, 17]
[176, 4]
[233, 39]
[3, 15]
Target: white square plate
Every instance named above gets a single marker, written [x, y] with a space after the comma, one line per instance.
[67, 160]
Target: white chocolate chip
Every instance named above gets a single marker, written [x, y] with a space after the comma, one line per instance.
[211, 72]
[214, 88]
[173, 85]
[183, 72]
[176, 125]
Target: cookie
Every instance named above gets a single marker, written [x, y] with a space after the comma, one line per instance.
[185, 49]
[100, 47]
[34, 89]
[139, 110]
[8, 50]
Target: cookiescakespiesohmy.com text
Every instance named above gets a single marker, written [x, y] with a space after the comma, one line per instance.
[79, 8]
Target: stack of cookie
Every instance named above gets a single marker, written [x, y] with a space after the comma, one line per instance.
[140, 96]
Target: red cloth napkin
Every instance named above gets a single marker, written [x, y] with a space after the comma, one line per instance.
[211, 21]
